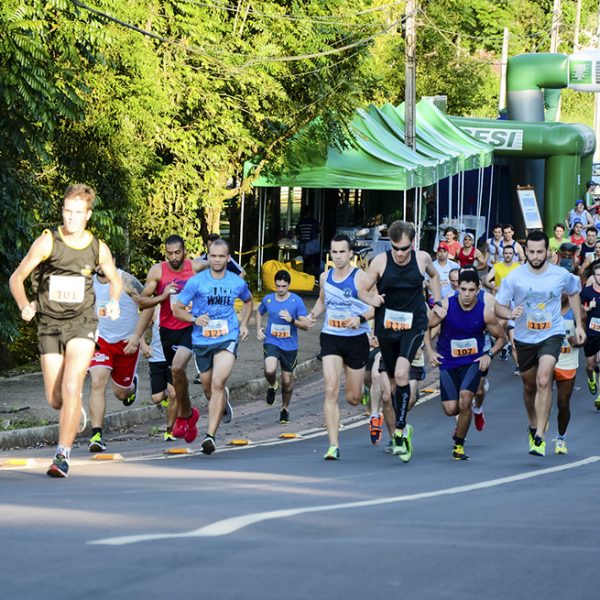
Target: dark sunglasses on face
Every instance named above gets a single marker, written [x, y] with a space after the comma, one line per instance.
[400, 248]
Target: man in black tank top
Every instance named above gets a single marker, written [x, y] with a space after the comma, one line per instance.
[401, 317]
[64, 261]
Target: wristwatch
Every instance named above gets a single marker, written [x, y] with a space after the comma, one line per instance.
[438, 303]
[490, 354]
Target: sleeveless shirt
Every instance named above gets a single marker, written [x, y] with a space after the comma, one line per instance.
[179, 278]
[466, 259]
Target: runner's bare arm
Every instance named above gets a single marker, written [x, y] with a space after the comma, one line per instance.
[245, 319]
[434, 282]
[180, 312]
[495, 329]
[115, 287]
[319, 307]
[147, 299]
[367, 291]
[520, 252]
[489, 280]
[131, 286]
[199, 264]
[480, 259]
[136, 337]
[260, 331]
[39, 251]
[575, 303]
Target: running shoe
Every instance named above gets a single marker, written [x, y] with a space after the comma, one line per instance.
[271, 395]
[505, 352]
[529, 437]
[132, 397]
[97, 443]
[366, 397]
[168, 437]
[208, 444]
[479, 419]
[59, 467]
[197, 379]
[228, 412]
[593, 384]
[408, 445]
[538, 448]
[398, 442]
[333, 453]
[284, 416]
[597, 403]
[164, 403]
[517, 373]
[192, 430]
[388, 448]
[376, 429]
[560, 446]
[458, 452]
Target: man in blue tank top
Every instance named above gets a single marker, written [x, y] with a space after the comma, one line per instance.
[286, 314]
[401, 316]
[344, 337]
[461, 354]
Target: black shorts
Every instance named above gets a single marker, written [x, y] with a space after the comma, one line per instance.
[204, 354]
[287, 358]
[591, 346]
[160, 376]
[452, 381]
[354, 350]
[405, 344]
[414, 373]
[171, 339]
[528, 355]
[55, 334]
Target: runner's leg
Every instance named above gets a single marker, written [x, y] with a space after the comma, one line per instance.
[332, 370]
[543, 397]
[222, 365]
[99, 377]
[52, 371]
[180, 381]
[287, 388]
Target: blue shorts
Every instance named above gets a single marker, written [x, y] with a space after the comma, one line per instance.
[452, 381]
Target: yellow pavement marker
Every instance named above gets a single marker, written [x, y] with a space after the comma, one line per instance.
[289, 436]
[107, 457]
[179, 451]
[20, 462]
[238, 442]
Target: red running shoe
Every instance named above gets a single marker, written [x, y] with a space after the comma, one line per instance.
[180, 427]
[479, 419]
[376, 429]
[192, 430]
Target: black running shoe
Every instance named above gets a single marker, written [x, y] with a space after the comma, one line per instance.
[284, 416]
[271, 396]
[132, 397]
[208, 445]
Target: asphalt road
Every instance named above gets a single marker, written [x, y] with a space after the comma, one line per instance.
[276, 521]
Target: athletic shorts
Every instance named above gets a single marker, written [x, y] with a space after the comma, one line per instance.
[528, 355]
[591, 345]
[54, 334]
[171, 339]
[564, 374]
[204, 354]
[452, 381]
[405, 344]
[416, 373]
[160, 376]
[287, 358]
[354, 350]
[111, 356]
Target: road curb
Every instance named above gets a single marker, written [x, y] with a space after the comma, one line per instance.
[24, 438]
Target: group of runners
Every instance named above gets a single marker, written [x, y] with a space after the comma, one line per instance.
[93, 317]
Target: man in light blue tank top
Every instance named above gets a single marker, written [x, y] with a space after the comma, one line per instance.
[344, 339]
[461, 353]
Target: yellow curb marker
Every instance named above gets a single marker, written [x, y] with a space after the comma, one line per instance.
[178, 451]
[20, 462]
[107, 457]
[238, 442]
[289, 436]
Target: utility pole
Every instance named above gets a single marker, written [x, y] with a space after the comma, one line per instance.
[556, 16]
[410, 74]
[577, 26]
[502, 99]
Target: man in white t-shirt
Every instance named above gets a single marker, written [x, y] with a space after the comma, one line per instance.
[536, 290]
[443, 266]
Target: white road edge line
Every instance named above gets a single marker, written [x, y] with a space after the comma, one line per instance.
[234, 524]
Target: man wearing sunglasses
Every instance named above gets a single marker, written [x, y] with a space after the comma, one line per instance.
[401, 317]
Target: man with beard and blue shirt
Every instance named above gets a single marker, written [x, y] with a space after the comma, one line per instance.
[216, 329]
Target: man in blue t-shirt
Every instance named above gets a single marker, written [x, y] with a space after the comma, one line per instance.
[216, 330]
[590, 301]
[286, 315]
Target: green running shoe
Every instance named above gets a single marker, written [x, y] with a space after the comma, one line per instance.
[333, 453]
[408, 447]
[366, 397]
[97, 443]
[458, 452]
[597, 403]
[538, 448]
[593, 384]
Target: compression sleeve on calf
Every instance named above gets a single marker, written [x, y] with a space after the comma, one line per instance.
[401, 398]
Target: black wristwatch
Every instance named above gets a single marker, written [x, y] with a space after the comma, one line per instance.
[438, 303]
[362, 319]
[490, 354]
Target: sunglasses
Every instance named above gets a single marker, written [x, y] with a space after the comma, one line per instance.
[400, 248]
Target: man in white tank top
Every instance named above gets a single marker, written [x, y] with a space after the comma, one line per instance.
[117, 351]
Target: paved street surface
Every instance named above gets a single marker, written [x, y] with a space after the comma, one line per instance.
[274, 520]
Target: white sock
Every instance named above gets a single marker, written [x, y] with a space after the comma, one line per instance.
[476, 411]
[64, 450]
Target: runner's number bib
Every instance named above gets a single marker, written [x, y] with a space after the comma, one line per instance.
[539, 320]
[397, 320]
[66, 289]
[460, 348]
[566, 347]
[595, 324]
[215, 328]
[338, 319]
[281, 331]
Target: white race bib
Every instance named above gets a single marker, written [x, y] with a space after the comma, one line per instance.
[101, 310]
[594, 324]
[539, 320]
[566, 347]
[281, 331]
[397, 320]
[215, 328]
[338, 319]
[67, 289]
[173, 299]
[466, 347]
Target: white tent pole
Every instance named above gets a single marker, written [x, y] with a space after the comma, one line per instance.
[450, 186]
[404, 215]
[417, 213]
[258, 277]
[489, 215]
[462, 196]
[479, 198]
[437, 212]
[261, 242]
[242, 227]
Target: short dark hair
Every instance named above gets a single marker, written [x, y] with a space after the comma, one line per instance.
[507, 226]
[497, 226]
[221, 242]
[211, 237]
[399, 228]
[174, 239]
[468, 276]
[537, 236]
[591, 229]
[561, 225]
[342, 237]
[283, 275]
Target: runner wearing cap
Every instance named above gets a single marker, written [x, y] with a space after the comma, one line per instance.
[443, 266]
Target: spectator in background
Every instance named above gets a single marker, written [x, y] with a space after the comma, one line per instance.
[307, 232]
[452, 242]
[579, 215]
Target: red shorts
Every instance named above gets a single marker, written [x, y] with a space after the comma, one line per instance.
[111, 356]
[564, 374]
